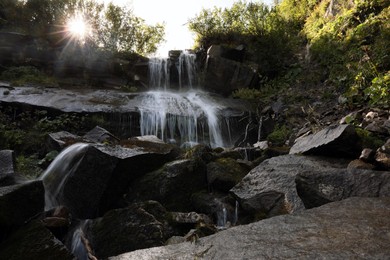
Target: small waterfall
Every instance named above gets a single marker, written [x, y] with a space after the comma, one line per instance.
[222, 218]
[185, 117]
[56, 174]
[187, 64]
[159, 73]
[166, 114]
[259, 130]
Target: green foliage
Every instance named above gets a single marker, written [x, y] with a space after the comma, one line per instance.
[27, 74]
[270, 39]
[350, 41]
[113, 28]
[247, 93]
[279, 135]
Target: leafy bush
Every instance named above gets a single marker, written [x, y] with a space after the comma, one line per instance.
[279, 136]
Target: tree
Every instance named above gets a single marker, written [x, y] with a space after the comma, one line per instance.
[113, 28]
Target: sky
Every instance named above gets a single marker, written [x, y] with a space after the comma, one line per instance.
[175, 14]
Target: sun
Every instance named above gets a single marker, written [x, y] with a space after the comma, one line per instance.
[77, 27]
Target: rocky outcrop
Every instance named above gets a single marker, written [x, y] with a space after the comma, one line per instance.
[339, 229]
[224, 75]
[335, 141]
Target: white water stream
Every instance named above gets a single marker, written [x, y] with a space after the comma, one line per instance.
[185, 116]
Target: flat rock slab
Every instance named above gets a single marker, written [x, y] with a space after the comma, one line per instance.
[355, 228]
[335, 141]
[110, 101]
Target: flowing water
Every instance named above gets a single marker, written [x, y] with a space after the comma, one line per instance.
[185, 116]
[57, 173]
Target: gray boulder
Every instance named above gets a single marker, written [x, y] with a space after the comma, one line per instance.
[355, 228]
[18, 203]
[33, 241]
[172, 185]
[224, 173]
[270, 188]
[123, 230]
[316, 188]
[335, 141]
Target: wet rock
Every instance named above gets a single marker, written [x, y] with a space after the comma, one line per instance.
[7, 167]
[172, 185]
[224, 173]
[270, 189]
[352, 228]
[33, 241]
[336, 141]
[18, 203]
[124, 230]
[316, 188]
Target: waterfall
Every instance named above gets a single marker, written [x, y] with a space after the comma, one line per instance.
[188, 116]
[180, 116]
[56, 174]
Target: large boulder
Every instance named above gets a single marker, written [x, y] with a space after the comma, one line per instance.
[18, 203]
[33, 241]
[316, 188]
[123, 230]
[91, 178]
[224, 173]
[223, 75]
[270, 188]
[172, 185]
[335, 141]
[350, 229]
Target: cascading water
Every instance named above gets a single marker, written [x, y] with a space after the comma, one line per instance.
[56, 174]
[187, 64]
[158, 73]
[187, 116]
